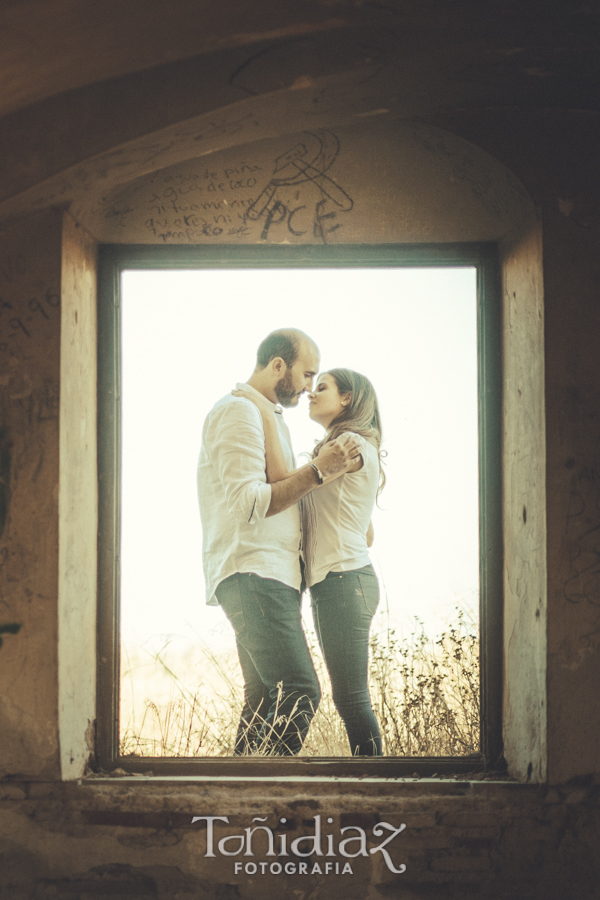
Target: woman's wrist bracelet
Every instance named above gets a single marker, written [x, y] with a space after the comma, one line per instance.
[318, 471]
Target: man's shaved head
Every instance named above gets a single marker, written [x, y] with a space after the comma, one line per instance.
[284, 343]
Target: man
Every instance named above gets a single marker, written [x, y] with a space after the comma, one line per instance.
[251, 544]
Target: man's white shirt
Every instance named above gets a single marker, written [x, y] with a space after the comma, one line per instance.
[234, 498]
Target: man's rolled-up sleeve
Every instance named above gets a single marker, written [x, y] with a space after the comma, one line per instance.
[235, 443]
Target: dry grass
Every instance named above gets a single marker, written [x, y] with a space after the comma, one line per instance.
[425, 695]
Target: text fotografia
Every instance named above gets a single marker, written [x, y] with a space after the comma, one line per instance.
[320, 851]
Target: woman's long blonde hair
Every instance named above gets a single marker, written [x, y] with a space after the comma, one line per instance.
[361, 415]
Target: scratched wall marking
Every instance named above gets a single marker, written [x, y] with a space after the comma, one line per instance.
[186, 206]
[305, 165]
[286, 196]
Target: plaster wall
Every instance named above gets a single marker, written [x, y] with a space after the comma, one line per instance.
[524, 714]
[134, 837]
[369, 183]
[78, 501]
[30, 397]
[572, 273]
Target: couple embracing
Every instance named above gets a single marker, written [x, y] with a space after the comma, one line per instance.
[269, 529]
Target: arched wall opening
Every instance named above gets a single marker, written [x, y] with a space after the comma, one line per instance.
[375, 182]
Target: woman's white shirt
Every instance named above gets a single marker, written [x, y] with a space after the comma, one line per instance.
[343, 510]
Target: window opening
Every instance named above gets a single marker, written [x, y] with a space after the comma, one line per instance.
[186, 337]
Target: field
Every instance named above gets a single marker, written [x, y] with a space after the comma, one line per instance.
[186, 702]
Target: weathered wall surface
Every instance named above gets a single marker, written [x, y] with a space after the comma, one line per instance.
[78, 501]
[385, 181]
[572, 277]
[30, 273]
[524, 509]
[134, 838]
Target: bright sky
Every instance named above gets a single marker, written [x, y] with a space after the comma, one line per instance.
[188, 336]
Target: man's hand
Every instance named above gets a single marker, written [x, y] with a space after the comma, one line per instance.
[336, 457]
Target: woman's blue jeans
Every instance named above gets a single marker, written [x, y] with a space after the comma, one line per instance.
[343, 606]
[281, 688]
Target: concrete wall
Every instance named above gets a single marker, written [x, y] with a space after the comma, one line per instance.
[572, 278]
[30, 397]
[383, 181]
[135, 838]
[524, 505]
[78, 502]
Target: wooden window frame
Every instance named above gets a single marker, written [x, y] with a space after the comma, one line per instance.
[113, 259]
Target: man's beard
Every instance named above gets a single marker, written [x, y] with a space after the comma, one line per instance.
[285, 392]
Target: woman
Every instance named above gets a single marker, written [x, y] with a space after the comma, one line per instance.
[336, 536]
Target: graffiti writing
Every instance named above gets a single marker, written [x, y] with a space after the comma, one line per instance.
[305, 164]
[25, 322]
